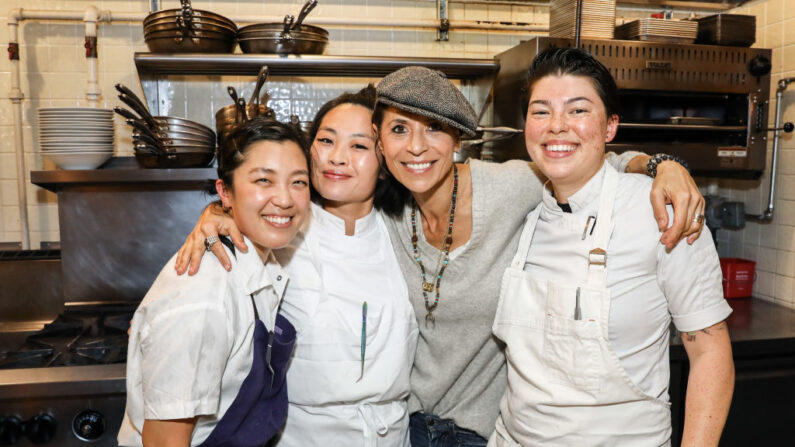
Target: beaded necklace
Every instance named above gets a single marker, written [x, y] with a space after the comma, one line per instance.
[445, 258]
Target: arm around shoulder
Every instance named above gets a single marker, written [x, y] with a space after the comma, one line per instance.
[171, 433]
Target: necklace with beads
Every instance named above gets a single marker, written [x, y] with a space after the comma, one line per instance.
[444, 259]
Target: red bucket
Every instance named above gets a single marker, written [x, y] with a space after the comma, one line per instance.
[738, 277]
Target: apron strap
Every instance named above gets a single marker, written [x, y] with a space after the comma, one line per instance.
[256, 314]
[597, 256]
[526, 238]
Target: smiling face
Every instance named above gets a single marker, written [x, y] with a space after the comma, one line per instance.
[345, 164]
[417, 150]
[566, 130]
[269, 197]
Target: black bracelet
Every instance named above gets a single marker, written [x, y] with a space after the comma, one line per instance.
[651, 165]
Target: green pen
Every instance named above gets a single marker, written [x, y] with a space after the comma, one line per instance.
[364, 336]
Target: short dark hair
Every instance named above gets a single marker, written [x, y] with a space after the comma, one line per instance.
[233, 149]
[576, 62]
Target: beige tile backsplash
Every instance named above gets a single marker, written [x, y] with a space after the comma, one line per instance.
[53, 74]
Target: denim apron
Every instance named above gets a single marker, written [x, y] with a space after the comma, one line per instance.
[260, 407]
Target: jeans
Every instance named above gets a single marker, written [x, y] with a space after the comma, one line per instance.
[427, 430]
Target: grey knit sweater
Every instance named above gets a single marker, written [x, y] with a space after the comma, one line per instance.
[459, 369]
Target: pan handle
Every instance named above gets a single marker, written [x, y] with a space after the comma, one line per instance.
[308, 7]
[126, 113]
[288, 25]
[150, 121]
[241, 107]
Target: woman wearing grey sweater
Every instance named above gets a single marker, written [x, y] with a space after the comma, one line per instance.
[455, 228]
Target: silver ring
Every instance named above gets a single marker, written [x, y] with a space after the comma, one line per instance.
[698, 218]
[209, 242]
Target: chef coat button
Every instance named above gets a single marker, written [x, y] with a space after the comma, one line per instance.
[279, 278]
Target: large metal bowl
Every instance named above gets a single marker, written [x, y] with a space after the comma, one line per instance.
[197, 27]
[199, 22]
[198, 14]
[172, 44]
[280, 45]
[279, 28]
[168, 161]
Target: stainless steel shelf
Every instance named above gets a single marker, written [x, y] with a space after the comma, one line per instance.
[682, 127]
[308, 65]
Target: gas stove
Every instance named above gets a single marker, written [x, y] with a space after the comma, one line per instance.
[64, 385]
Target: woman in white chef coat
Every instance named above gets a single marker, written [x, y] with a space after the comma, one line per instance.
[207, 353]
[586, 304]
[454, 230]
[356, 330]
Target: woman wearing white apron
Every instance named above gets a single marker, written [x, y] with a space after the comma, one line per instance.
[356, 329]
[586, 304]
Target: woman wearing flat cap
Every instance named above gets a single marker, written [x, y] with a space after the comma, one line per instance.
[455, 228]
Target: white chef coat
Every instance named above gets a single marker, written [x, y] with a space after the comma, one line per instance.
[335, 275]
[648, 285]
[579, 306]
[191, 341]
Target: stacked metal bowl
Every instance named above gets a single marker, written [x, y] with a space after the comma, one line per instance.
[165, 141]
[288, 37]
[187, 30]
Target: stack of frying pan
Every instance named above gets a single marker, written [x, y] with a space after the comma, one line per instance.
[164, 141]
[186, 30]
[289, 37]
[229, 117]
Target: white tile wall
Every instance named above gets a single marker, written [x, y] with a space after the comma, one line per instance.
[771, 245]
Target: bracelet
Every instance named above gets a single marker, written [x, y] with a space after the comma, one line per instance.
[651, 165]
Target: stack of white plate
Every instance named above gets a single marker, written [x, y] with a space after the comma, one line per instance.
[598, 19]
[76, 138]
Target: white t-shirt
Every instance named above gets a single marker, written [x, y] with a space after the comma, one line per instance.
[191, 341]
[334, 275]
[649, 286]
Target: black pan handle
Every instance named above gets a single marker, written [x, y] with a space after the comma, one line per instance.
[140, 126]
[126, 113]
[121, 88]
[288, 26]
[145, 115]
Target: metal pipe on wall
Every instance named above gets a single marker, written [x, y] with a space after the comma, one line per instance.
[16, 96]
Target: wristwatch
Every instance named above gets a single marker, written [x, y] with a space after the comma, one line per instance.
[651, 165]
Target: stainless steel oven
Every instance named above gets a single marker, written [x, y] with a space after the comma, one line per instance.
[705, 103]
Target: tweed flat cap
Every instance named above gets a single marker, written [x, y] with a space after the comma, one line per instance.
[428, 93]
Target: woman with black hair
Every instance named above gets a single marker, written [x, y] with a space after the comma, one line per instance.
[587, 302]
[356, 330]
[207, 353]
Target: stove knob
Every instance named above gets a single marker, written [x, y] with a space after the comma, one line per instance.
[10, 429]
[89, 425]
[759, 66]
[41, 428]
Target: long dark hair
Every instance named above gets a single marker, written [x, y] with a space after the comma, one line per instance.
[366, 98]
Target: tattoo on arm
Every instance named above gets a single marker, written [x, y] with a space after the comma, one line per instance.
[691, 335]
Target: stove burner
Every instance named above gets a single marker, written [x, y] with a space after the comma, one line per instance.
[74, 338]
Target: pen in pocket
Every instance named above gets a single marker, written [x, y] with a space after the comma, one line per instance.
[577, 311]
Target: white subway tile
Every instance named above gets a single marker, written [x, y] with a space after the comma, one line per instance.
[766, 259]
[11, 219]
[499, 13]
[9, 193]
[785, 264]
[784, 289]
[784, 211]
[775, 10]
[786, 237]
[765, 284]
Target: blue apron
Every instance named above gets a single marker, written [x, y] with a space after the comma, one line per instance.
[260, 407]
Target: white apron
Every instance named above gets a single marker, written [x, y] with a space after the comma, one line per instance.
[328, 406]
[566, 386]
